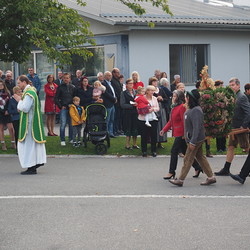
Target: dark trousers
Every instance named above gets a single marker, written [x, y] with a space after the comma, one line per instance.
[179, 145]
[118, 119]
[221, 143]
[245, 170]
[77, 132]
[148, 133]
[16, 128]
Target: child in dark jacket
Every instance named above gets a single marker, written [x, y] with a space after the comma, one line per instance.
[12, 109]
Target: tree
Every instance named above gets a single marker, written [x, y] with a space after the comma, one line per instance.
[50, 26]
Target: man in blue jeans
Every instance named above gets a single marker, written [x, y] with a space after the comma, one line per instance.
[64, 96]
[109, 99]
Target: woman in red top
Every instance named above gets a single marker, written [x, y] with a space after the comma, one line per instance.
[136, 80]
[50, 107]
[176, 122]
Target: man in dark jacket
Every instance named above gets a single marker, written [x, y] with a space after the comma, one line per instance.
[10, 84]
[118, 111]
[245, 170]
[77, 80]
[247, 91]
[64, 96]
[241, 119]
[109, 99]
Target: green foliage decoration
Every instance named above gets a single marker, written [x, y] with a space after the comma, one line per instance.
[218, 107]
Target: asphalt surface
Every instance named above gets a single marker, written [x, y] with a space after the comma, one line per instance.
[120, 203]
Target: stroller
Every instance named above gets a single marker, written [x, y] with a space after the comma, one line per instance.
[96, 128]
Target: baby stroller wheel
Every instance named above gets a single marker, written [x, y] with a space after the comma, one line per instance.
[85, 139]
[100, 149]
[108, 140]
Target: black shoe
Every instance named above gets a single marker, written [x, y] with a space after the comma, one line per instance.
[198, 173]
[144, 154]
[222, 172]
[154, 154]
[39, 165]
[172, 175]
[29, 171]
[236, 177]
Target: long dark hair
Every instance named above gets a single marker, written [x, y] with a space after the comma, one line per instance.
[5, 87]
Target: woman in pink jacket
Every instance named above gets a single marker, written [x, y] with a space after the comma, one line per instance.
[176, 122]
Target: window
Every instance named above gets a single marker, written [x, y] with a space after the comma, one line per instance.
[89, 67]
[187, 61]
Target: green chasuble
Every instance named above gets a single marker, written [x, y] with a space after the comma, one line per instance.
[37, 122]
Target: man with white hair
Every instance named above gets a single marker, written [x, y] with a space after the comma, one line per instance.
[100, 77]
[77, 80]
[240, 120]
[164, 84]
[10, 84]
[177, 79]
[109, 100]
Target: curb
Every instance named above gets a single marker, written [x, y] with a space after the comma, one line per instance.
[107, 156]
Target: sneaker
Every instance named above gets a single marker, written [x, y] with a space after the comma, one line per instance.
[79, 144]
[237, 177]
[177, 182]
[63, 143]
[71, 141]
[75, 144]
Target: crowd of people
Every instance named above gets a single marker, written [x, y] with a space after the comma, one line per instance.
[133, 108]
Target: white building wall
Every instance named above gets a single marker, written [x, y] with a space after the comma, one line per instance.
[229, 52]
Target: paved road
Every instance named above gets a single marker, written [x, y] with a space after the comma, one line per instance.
[120, 203]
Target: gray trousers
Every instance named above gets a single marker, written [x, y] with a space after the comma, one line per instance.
[77, 132]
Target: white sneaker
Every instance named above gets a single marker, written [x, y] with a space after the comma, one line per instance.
[71, 141]
[148, 124]
[63, 143]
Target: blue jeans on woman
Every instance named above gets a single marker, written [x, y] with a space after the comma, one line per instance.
[64, 120]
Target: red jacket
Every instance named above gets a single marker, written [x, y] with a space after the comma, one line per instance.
[141, 101]
[50, 105]
[176, 121]
[137, 84]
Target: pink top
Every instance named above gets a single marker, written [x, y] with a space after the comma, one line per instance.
[154, 104]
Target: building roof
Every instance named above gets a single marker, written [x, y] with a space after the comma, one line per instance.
[191, 13]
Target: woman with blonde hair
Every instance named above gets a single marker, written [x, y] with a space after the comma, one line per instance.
[146, 131]
[136, 80]
[162, 99]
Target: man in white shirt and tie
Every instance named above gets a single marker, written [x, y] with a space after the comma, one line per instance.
[109, 99]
